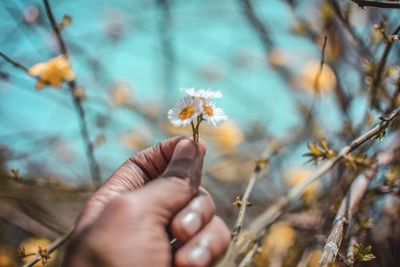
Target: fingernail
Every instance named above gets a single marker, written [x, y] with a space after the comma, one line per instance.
[185, 149]
[200, 255]
[191, 223]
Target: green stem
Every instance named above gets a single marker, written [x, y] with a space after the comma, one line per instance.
[193, 130]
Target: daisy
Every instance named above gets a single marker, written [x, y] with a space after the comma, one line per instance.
[185, 111]
[202, 93]
[212, 114]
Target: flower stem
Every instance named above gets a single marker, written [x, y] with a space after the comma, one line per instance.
[194, 131]
[196, 128]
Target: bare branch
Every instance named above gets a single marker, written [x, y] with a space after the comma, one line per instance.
[281, 205]
[25, 222]
[50, 249]
[94, 166]
[384, 4]
[316, 81]
[13, 62]
[396, 93]
[55, 27]
[346, 211]
[247, 259]
[365, 51]
[379, 70]
[350, 251]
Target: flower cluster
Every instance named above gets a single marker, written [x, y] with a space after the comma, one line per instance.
[195, 108]
[53, 72]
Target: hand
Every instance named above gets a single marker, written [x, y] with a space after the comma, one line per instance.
[155, 193]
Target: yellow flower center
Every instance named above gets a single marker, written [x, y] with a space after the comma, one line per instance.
[208, 110]
[186, 112]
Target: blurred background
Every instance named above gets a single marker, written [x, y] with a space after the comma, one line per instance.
[291, 73]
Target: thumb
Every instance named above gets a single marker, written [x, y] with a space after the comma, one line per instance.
[179, 183]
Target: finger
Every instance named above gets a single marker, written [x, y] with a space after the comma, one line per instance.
[193, 217]
[166, 196]
[186, 162]
[205, 247]
[137, 170]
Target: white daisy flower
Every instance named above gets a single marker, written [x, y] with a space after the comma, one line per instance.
[185, 111]
[202, 93]
[212, 114]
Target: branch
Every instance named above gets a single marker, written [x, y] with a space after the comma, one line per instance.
[316, 81]
[380, 68]
[25, 222]
[14, 63]
[262, 33]
[50, 249]
[55, 27]
[396, 93]
[350, 251]
[349, 29]
[281, 205]
[268, 152]
[247, 259]
[257, 24]
[363, 4]
[94, 167]
[167, 47]
[346, 211]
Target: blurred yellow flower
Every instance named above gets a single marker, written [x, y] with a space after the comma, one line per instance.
[295, 175]
[227, 137]
[276, 57]
[276, 243]
[326, 12]
[137, 139]
[53, 72]
[63, 150]
[7, 257]
[281, 235]
[121, 93]
[32, 245]
[305, 80]
[231, 169]
[314, 258]
[172, 130]
[299, 27]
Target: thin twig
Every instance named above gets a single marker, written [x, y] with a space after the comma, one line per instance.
[257, 24]
[278, 208]
[349, 29]
[50, 249]
[25, 222]
[379, 4]
[167, 46]
[269, 151]
[14, 63]
[55, 27]
[305, 258]
[396, 93]
[94, 167]
[346, 211]
[379, 70]
[262, 33]
[247, 259]
[350, 251]
[316, 81]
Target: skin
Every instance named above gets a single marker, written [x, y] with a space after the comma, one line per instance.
[154, 195]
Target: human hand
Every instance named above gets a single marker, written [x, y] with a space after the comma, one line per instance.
[156, 192]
